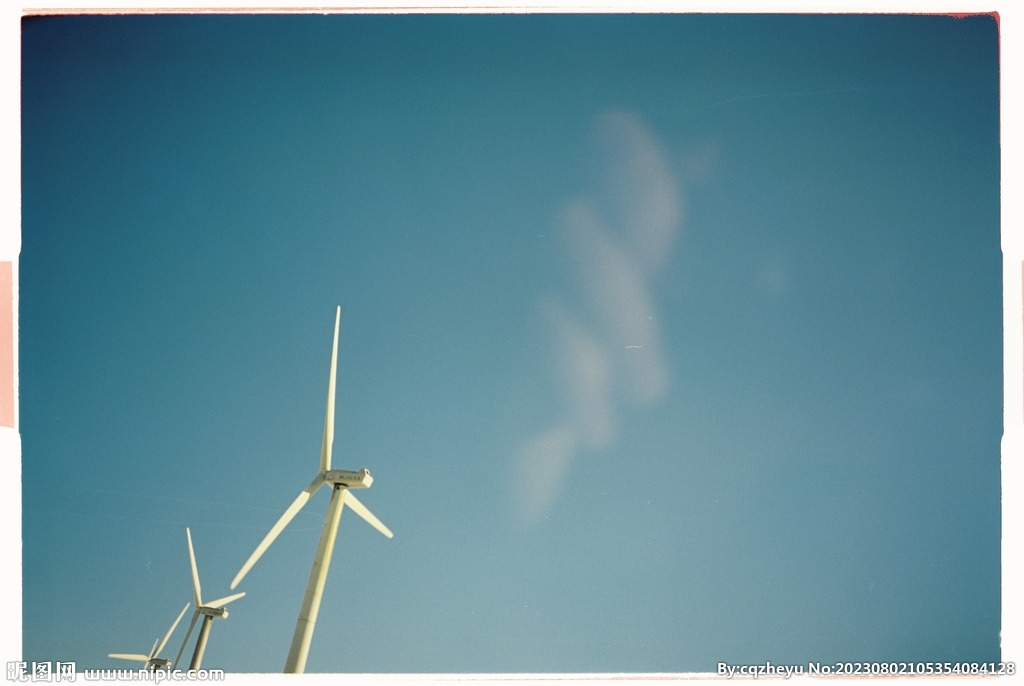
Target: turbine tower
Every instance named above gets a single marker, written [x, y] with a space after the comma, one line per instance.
[152, 661]
[340, 481]
[208, 611]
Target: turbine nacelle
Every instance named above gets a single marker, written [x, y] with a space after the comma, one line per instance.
[216, 612]
[360, 479]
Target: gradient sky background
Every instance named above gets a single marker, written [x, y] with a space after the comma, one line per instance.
[668, 340]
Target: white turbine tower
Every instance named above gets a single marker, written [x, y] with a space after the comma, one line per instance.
[208, 611]
[340, 481]
[151, 660]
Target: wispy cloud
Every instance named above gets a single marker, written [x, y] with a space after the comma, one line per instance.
[609, 344]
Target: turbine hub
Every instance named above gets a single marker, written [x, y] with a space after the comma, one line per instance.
[220, 612]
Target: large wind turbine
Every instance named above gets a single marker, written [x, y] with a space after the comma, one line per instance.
[340, 481]
[208, 611]
[151, 660]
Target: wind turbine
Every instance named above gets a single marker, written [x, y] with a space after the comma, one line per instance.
[152, 661]
[340, 481]
[208, 611]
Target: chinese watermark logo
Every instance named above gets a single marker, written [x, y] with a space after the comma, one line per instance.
[41, 671]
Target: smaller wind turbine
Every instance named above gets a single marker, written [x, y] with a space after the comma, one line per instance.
[152, 661]
[208, 611]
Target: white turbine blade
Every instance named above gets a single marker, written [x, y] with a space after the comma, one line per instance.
[171, 631]
[195, 570]
[325, 449]
[221, 602]
[152, 651]
[361, 510]
[290, 513]
[191, 625]
[130, 656]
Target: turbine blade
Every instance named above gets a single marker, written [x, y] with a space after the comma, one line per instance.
[290, 513]
[328, 444]
[191, 625]
[152, 651]
[171, 631]
[195, 571]
[221, 602]
[130, 656]
[361, 510]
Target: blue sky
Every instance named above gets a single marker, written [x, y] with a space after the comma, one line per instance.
[669, 340]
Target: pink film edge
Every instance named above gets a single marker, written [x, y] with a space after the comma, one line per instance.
[6, 345]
